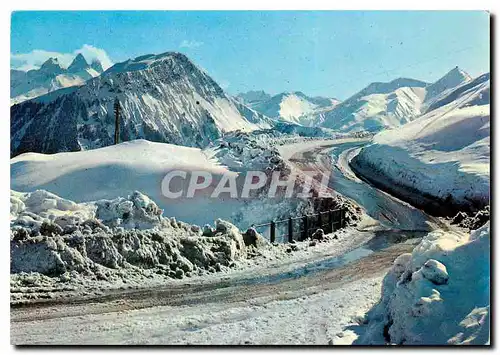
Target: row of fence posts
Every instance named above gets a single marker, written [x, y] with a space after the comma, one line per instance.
[307, 226]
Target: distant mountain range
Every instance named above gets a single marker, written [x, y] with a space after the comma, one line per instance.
[376, 107]
[167, 98]
[293, 107]
[51, 76]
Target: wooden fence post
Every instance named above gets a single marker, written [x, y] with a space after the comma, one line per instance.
[272, 236]
[330, 220]
[117, 120]
[342, 217]
[306, 227]
[290, 230]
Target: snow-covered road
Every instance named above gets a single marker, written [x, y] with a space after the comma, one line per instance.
[332, 157]
[315, 319]
[308, 303]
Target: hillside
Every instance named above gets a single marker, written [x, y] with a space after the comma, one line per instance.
[444, 154]
[388, 105]
[292, 107]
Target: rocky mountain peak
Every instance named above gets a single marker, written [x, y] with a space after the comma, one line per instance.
[51, 66]
[97, 66]
[78, 64]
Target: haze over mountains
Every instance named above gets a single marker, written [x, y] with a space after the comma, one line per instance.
[51, 76]
[167, 98]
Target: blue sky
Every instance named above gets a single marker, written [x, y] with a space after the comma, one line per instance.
[320, 53]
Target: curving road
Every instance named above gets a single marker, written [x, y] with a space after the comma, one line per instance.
[200, 311]
[333, 158]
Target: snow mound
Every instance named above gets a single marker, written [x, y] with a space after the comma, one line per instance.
[138, 211]
[116, 171]
[141, 165]
[38, 209]
[53, 236]
[437, 295]
[31, 210]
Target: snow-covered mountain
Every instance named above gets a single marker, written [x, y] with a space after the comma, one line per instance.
[443, 154]
[51, 76]
[163, 98]
[452, 79]
[293, 107]
[252, 98]
[378, 106]
[389, 105]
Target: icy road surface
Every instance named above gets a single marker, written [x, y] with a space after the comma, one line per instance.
[305, 303]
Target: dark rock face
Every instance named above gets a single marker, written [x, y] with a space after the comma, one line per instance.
[472, 221]
[79, 63]
[49, 128]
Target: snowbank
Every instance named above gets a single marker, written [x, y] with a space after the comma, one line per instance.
[437, 295]
[61, 248]
[444, 154]
[57, 237]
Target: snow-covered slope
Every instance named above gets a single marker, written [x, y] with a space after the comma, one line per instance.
[444, 154]
[378, 106]
[451, 80]
[164, 98]
[51, 76]
[293, 107]
[437, 295]
[389, 105]
[109, 172]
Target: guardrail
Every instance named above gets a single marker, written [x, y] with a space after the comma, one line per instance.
[301, 228]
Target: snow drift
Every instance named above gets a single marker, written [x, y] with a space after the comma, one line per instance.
[444, 154]
[437, 295]
[141, 165]
[118, 170]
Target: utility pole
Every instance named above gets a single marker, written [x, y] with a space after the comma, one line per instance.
[117, 120]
